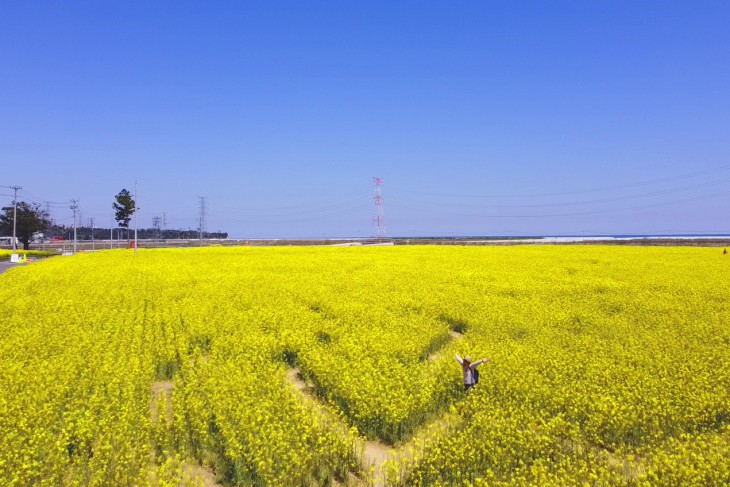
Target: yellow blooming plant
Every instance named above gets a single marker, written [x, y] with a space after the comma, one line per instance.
[608, 366]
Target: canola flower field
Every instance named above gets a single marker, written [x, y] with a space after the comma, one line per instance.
[609, 366]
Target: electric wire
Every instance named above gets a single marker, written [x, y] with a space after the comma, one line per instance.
[583, 191]
[604, 200]
[593, 212]
[333, 208]
[302, 208]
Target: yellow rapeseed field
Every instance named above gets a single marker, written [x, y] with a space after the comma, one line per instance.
[608, 366]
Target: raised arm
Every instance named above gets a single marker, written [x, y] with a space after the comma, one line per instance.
[479, 362]
[458, 359]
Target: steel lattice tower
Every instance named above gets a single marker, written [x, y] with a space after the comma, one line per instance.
[202, 228]
[378, 221]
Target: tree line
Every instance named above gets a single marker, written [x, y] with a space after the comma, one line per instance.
[32, 219]
[85, 233]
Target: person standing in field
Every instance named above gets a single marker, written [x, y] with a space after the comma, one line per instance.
[471, 374]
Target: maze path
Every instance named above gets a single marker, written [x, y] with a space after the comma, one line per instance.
[375, 454]
[198, 474]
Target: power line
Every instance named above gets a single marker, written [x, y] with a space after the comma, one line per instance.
[604, 200]
[292, 218]
[597, 212]
[583, 191]
[38, 199]
[302, 208]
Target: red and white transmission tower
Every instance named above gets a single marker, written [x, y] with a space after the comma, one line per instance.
[378, 221]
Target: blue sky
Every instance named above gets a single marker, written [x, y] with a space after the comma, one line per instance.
[483, 118]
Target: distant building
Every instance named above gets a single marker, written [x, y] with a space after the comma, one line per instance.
[8, 241]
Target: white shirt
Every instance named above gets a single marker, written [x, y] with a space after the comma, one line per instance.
[468, 371]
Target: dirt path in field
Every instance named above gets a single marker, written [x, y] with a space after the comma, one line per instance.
[296, 380]
[161, 388]
[455, 335]
[630, 469]
[200, 475]
[375, 453]
[191, 471]
[5, 265]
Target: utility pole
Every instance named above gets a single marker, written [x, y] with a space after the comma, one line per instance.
[201, 228]
[91, 222]
[111, 233]
[378, 221]
[15, 215]
[74, 207]
[135, 217]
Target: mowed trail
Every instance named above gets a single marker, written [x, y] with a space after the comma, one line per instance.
[200, 475]
[375, 452]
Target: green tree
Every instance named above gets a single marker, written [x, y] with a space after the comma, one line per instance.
[124, 208]
[31, 219]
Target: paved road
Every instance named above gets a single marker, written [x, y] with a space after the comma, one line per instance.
[4, 265]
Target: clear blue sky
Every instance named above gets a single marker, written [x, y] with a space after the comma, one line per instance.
[483, 118]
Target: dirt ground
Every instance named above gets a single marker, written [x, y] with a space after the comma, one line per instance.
[375, 453]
